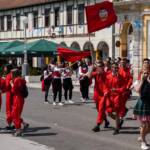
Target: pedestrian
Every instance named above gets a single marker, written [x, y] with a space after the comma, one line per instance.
[47, 81]
[100, 92]
[84, 81]
[9, 96]
[57, 84]
[142, 107]
[115, 88]
[17, 84]
[127, 78]
[67, 83]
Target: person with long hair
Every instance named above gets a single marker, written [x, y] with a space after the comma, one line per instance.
[142, 107]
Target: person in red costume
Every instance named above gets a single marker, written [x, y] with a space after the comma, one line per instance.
[127, 78]
[114, 85]
[2, 89]
[17, 84]
[99, 93]
[9, 96]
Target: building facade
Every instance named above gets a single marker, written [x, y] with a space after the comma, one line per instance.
[60, 21]
[65, 22]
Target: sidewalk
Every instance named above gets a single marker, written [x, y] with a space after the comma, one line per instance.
[8, 142]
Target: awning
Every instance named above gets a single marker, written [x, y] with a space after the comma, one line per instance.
[36, 47]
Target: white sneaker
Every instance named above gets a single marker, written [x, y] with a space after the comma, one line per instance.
[46, 102]
[54, 103]
[70, 102]
[83, 100]
[60, 104]
[144, 146]
[66, 102]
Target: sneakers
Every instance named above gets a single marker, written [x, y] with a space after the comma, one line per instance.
[70, 102]
[26, 126]
[54, 103]
[83, 100]
[144, 146]
[116, 131]
[121, 123]
[60, 104]
[46, 102]
[96, 128]
[10, 127]
[66, 102]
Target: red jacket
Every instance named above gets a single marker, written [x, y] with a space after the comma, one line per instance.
[126, 76]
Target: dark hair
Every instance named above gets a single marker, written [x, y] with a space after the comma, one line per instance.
[145, 59]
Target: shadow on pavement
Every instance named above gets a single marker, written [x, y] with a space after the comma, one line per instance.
[39, 134]
[32, 131]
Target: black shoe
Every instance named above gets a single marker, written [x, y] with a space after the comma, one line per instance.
[96, 128]
[116, 131]
[106, 124]
[121, 123]
[10, 127]
[26, 126]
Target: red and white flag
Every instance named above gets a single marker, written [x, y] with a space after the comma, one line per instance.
[71, 55]
[100, 16]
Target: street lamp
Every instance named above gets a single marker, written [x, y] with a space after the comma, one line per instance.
[25, 65]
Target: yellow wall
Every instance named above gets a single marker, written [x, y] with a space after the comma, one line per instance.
[146, 18]
[123, 38]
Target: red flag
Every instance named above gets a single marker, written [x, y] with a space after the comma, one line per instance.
[100, 15]
[71, 55]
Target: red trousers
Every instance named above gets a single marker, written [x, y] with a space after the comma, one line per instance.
[125, 97]
[101, 104]
[113, 103]
[17, 111]
[0, 101]
[9, 105]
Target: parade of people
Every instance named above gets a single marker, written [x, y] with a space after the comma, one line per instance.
[75, 75]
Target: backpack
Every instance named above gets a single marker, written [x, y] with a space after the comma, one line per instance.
[24, 91]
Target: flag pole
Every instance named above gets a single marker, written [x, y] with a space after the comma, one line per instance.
[91, 48]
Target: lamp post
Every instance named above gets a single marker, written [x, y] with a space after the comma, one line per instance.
[25, 65]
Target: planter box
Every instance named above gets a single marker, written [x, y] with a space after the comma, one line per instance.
[32, 79]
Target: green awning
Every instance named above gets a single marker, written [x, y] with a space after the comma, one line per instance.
[6, 45]
[36, 47]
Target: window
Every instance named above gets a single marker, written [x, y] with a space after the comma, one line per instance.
[17, 22]
[56, 16]
[9, 23]
[26, 14]
[35, 19]
[81, 14]
[2, 23]
[47, 17]
[69, 15]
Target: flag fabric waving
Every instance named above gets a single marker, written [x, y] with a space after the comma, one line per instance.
[71, 55]
[100, 16]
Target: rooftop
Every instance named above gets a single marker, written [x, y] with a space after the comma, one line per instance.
[11, 4]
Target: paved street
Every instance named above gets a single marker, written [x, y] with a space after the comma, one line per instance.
[68, 127]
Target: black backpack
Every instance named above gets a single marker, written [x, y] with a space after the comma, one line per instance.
[24, 91]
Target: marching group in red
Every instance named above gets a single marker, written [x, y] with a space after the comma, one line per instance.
[113, 83]
[112, 88]
[16, 91]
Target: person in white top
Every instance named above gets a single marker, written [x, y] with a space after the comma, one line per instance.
[67, 83]
[57, 84]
